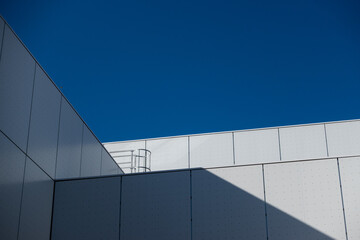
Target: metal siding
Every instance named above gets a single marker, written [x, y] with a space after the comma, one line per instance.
[2, 24]
[91, 155]
[350, 179]
[211, 150]
[171, 153]
[303, 142]
[156, 206]
[304, 201]
[259, 146]
[108, 166]
[87, 209]
[343, 138]
[69, 146]
[228, 203]
[16, 80]
[44, 124]
[36, 208]
[12, 163]
[120, 146]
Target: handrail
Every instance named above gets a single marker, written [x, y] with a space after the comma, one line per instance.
[139, 162]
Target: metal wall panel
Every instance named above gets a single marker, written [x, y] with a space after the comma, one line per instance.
[211, 150]
[256, 146]
[2, 25]
[304, 201]
[44, 123]
[120, 146]
[108, 166]
[169, 153]
[304, 142]
[87, 209]
[156, 206]
[70, 140]
[91, 155]
[343, 138]
[36, 206]
[16, 80]
[228, 203]
[12, 163]
[350, 179]
[119, 149]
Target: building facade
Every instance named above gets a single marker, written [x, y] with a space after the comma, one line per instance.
[57, 181]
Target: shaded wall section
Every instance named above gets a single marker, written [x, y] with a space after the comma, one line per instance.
[288, 200]
[41, 138]
[87, 209]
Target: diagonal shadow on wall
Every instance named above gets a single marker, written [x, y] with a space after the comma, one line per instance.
[191, 204]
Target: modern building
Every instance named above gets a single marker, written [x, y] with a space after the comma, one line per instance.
[57, 181]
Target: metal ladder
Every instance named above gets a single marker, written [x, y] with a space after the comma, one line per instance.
[135, 160]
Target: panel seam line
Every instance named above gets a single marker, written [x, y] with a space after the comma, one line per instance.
[342, 198]
[265, 203]
[58, 138]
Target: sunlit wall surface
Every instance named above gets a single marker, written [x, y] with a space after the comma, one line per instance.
[288, 143]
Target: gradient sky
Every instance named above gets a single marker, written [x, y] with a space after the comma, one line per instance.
[142, 69]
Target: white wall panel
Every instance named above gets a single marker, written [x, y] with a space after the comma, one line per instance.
[343, 138]
[36, 208]
[108, 166]
[12, 163]
[169, 153]
[91, 155]
[256, 146]
[350, 179]
[124, 148]
[304, 201]
[87, 209]
[44, 124]
[211, 150]
[303, 142]
[156, 206]
[16, 80]
[228, 203]
[70, 140]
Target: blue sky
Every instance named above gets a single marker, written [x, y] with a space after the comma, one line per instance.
[141, 69]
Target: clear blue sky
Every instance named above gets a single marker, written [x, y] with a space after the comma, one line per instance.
[141, 69]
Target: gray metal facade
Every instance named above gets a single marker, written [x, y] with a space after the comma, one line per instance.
[287, 200]
[42, 138]
[57, 181]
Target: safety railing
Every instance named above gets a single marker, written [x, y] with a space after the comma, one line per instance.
[133, 161]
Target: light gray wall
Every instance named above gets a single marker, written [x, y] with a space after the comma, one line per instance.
[114, 149]
[350, 179]
[87, 209]
[288, 143]
[309, 192]
[286, 200]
